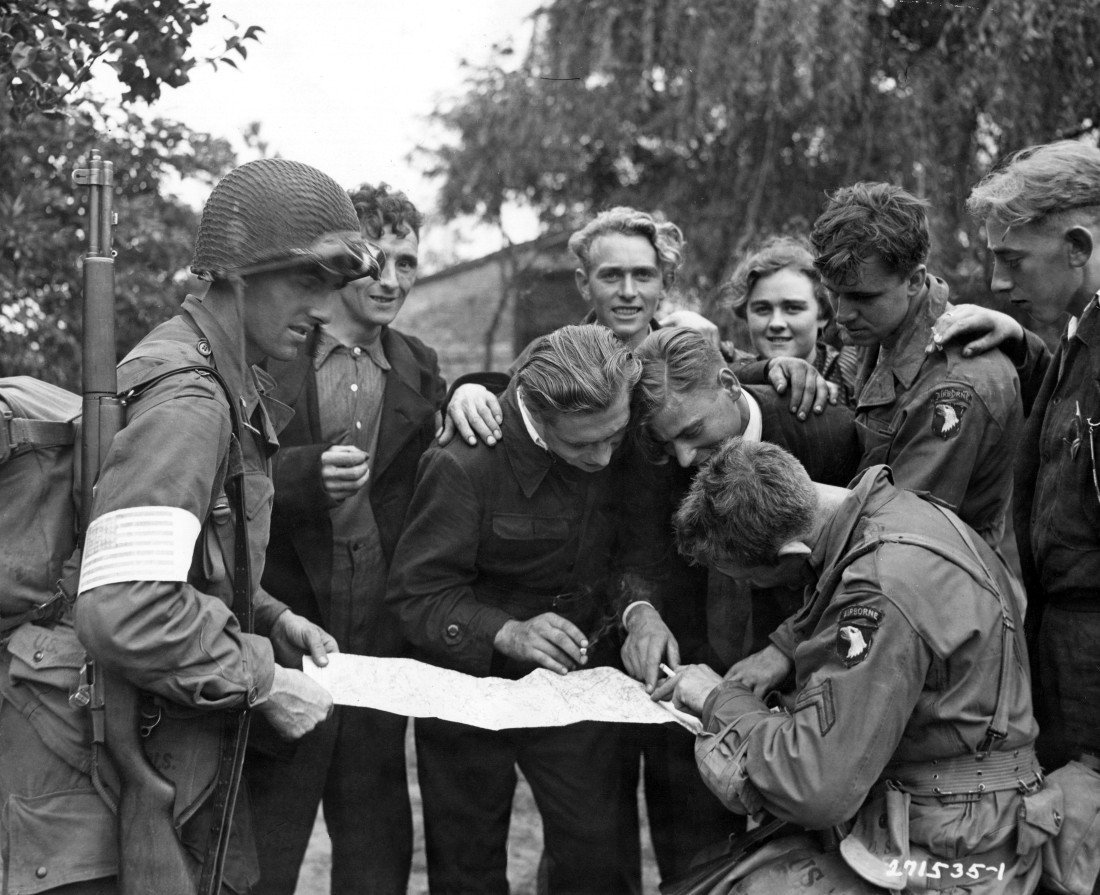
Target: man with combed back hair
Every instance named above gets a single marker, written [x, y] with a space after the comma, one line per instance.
[506, 565]
[909, 735]
[1042, 219]
[365, 398]
[946, 424]
[157, 600]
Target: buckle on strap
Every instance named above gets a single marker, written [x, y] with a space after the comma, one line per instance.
[991, 738]
[6, 417]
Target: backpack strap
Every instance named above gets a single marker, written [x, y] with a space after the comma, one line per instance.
[17, 433]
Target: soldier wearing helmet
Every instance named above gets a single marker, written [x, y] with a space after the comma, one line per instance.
[276, 239]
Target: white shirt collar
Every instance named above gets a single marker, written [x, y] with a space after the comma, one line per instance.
[535, 437]
[754, 431]
[1074, 322]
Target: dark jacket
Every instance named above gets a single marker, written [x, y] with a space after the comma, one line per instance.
[501, 533]
[1056, 501]
[299, 558]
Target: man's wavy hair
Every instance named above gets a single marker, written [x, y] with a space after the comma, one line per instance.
[775, 254]
[865, 220]
[675, 360]
[747, 501]
[1039, 181]
[577, 369]
[378, 207]
[665, 237]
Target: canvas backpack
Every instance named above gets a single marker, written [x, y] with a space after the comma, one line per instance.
[39, 431]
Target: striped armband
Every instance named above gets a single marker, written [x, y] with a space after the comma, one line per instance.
[139, 544]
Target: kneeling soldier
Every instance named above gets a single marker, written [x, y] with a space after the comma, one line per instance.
[910, 730]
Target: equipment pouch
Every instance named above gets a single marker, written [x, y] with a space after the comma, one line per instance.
[1071, 856]
[185, 746]
[44, 669]
[877, 848]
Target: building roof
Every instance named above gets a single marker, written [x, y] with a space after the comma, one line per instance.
[548, 241]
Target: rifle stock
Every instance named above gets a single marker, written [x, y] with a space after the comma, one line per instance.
[150, 855]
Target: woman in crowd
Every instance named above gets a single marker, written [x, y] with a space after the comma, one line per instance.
[779, 295]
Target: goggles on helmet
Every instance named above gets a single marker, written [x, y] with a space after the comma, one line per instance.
[343, 257]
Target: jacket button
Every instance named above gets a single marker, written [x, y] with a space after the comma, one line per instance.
[41, 872]
[38, 656]
[452, 631]
[251, 696]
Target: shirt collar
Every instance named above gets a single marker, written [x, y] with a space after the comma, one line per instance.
[1085, 327]
[754, 431]
[530, 463]
[252, 385]
[528, 422]
[873, 489]
[327, 343]
[220, 325]
[904, 360]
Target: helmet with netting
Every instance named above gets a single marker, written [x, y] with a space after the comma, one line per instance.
[270, 214]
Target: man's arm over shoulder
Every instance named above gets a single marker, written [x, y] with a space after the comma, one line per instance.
[435, 566]
[167, 636]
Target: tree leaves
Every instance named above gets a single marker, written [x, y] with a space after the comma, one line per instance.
[48, 49]
[734, 117]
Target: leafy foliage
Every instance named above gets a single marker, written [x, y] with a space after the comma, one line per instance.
[42, 235]
[47, 52]
[49, 47]
[733, 117]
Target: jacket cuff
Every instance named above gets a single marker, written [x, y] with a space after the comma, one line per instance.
[727, 703]
[258, 657]
[468, 641]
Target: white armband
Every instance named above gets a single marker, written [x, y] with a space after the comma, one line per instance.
[138, 544]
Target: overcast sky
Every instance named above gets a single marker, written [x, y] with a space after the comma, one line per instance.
[344, 85]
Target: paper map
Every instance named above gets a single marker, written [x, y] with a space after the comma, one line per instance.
[541, 699]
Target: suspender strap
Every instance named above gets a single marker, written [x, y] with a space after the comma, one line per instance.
[1012, 632]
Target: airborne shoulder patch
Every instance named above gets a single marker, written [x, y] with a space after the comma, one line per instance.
[949, 405]
[855, 632]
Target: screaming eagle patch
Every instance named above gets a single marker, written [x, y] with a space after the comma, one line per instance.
[855, 632]
[949, 404]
